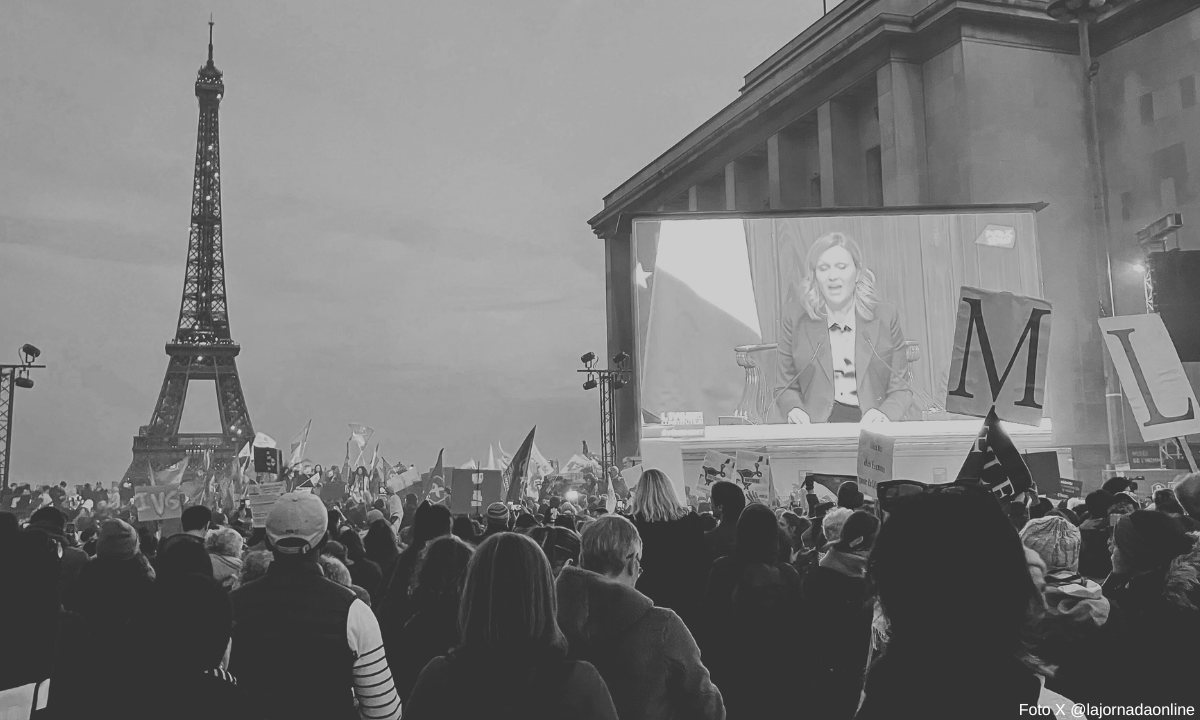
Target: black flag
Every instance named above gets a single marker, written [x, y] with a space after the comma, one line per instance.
[516, 469]
[995, 462]
[267, 460]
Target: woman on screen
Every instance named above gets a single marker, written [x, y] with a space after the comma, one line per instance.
[841, 349]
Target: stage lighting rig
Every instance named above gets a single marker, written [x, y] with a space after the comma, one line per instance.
[613, 378]
[11, 378]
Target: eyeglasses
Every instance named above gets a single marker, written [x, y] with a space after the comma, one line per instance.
[892, 491]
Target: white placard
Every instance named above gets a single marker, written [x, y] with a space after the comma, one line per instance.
[1160, 395]
[876, 454]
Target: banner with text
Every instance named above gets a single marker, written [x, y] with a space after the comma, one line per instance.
[260, 497]
[875, 457]
[1001, 346]
[1160, 395]
[157, 502]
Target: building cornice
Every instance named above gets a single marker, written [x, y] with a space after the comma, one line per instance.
[832, 56]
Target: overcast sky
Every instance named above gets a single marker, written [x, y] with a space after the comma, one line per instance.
[406, 188]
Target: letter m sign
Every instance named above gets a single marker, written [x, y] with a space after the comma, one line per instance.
[1001, 345]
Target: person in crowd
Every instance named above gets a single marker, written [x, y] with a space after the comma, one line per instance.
[850, 496]
[147, 543]
[40, 640]
[1066, 630]
[410, 509]
[1040, 508]
[436, 592]
[648, 659]
[112, 588]
[395, 608]
[192, 617]
[499, 519]
[1166, 502]
[728, 500]
[752, 606]
[254, 566]
[181, 558]
[295, 618]
[364, 571]
[9, 525]
[675, 560]
[1155, 591]
[463, 528]
[1095, 561]
[525, 523]
[951, 577]
[334, 568]
[225, 554]
[561, 545]
[195, 522]
[511, 660]
[381, 547]
[53, 522]
[831, 527]
[837, 620]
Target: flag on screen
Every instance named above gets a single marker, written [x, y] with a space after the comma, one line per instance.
[996, 462]
[516, 470]
[299, 445]
[701, 304]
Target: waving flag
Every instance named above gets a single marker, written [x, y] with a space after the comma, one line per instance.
[360, 435]
[264, 440]
[505, 459]
[996, 462]
[171, 475]
[516, 470]
[299, 445]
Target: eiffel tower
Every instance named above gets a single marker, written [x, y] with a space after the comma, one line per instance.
[202, 348]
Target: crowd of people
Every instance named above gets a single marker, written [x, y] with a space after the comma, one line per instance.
[950, 604]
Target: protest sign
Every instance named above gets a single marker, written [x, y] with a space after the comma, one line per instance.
[1159, 393]
[157, 502]
[875, 456]
[462, 488]
[491, 486]
[715, 467]
[267, 460]
[753, 470]
[1044, 469]
[1001, 345]
[260, 497]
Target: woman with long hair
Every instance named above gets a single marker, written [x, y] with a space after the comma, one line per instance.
[395, 607]
[436, 591]
[364, 572]
[751, 607]
[675, 560]
[841, 349]
[951, 577]
[511, 661]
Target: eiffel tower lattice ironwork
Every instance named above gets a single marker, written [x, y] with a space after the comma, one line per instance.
[202, 348]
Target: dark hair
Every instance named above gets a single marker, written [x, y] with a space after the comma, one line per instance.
[757, 536]
[182, 555]
[508, 606]
[729, 497]
[194, 614]
[196, 517]
[1018, 514]
[1040, 508]
[49, 516]
[1097, 503]
[440, 573]
[463, 528]
[379, 545]
[559, 544]
[947, 545]
[1165, 501]
[355, 550]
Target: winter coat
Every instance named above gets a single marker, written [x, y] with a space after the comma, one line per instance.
[1153, 612]
[193, 696]
[1095, 559]
[430, 633]
[226, 570]
[367, 575]
[721, 540]
[54, 646]
[645, 654]
[1071, 636]
[109, 594]
[549, 689]
[903, 686]
[751, 640]
[675, 564]
[837, 627]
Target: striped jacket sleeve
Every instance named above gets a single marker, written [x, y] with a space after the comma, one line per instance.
[373, 687]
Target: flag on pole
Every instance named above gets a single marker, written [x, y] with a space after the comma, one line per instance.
[171, 475]
[996, 462]
[542, 465]
[516, 470]
[264, 440]
[346, 465]
[360, 434]
[299, 445]
[610, 500]
[472, 465]
[505, 459]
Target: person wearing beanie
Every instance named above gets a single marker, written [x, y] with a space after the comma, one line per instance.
[375, 514]
[1095, 562]
[52, 522]
[832, 526]
[1155, 591]
[1054, 539]
[295, 618]
[498, 520]
[849, 496]
[112, 589]
[837, 619]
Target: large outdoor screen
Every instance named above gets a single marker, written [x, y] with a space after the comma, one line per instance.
[814, 319]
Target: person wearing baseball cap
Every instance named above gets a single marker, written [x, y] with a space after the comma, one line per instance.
[300, 638]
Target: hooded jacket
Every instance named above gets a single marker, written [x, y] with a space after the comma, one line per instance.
[645, 653]
[1072, 635]
[837, 620]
